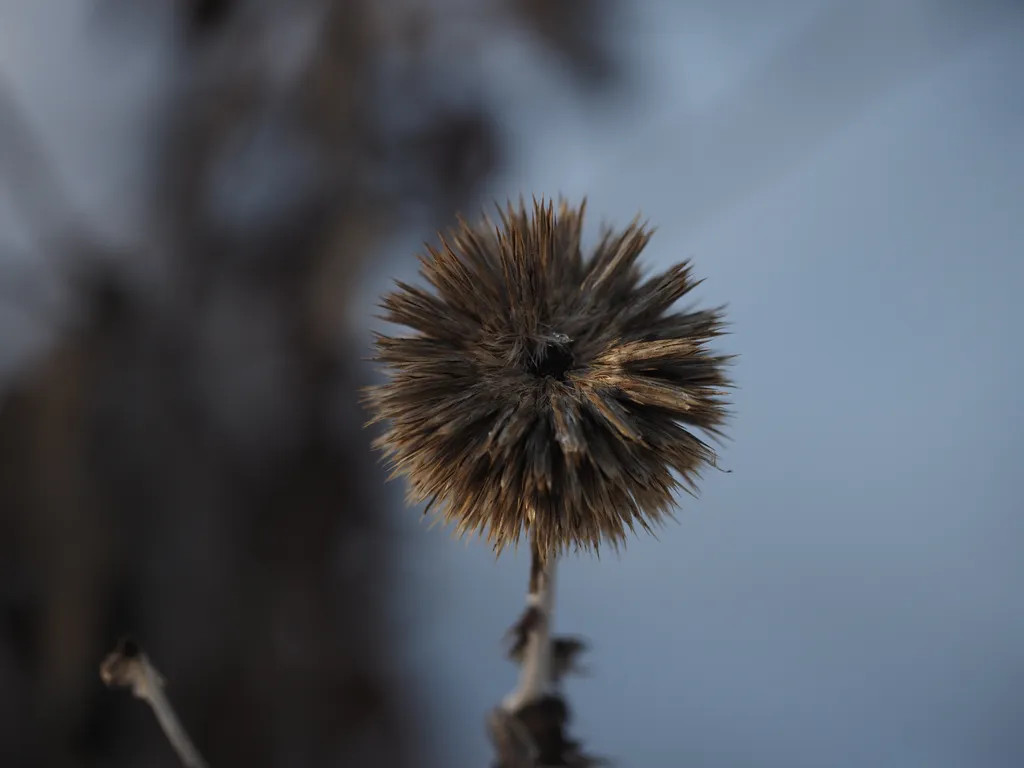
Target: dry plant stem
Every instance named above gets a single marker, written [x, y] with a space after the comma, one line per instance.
[172, 727]
[536, 676]
[129, 667]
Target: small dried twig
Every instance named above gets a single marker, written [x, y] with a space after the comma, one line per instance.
[128, 667]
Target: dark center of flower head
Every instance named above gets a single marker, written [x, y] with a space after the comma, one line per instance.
[552, 358]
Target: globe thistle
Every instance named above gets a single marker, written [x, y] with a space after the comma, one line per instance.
[545, 391]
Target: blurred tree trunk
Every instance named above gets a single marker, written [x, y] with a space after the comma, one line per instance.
[188, 462]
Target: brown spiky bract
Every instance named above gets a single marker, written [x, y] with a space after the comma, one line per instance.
[545, 391]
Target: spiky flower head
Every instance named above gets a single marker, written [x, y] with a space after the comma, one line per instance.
[545, 391]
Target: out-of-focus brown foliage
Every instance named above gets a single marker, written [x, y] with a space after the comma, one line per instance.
[187, 462]
[577, 31]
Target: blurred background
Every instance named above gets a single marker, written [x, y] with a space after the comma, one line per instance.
[200, 203]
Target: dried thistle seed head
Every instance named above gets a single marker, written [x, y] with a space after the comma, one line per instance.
[544, 391]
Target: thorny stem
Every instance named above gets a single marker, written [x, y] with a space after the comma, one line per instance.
[128, 666]
[535, 674]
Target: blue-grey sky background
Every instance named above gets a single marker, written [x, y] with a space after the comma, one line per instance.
[851, 594]
[849, 178]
